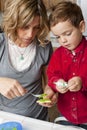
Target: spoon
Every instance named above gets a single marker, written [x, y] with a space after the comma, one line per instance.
[36, 95]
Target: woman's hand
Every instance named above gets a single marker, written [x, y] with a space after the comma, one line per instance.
[11, 88]
[50, 95]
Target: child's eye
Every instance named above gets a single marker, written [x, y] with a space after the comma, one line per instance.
[57, 37]
[68, 33]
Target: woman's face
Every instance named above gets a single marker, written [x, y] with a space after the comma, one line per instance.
[27, 34]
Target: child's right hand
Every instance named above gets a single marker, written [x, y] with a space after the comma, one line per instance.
[61, 86]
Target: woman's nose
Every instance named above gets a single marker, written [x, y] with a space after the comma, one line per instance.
[30, 32]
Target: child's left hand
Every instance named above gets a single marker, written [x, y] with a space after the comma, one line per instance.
[75, 84]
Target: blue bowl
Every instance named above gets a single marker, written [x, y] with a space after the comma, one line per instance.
[11, 126]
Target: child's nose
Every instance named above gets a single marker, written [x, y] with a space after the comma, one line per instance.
[63, 39]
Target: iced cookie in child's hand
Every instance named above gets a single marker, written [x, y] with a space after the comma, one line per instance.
[62, 84]
[43, 99]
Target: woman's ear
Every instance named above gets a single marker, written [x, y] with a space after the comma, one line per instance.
[82, 26]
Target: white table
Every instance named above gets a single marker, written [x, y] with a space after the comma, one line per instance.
[32, 124]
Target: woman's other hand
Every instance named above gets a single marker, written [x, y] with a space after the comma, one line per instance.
[11, 88]
[50, 95]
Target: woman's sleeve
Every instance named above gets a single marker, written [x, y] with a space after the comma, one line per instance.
[2, 44]
[48, 53]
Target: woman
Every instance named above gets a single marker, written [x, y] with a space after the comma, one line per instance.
[24, 55]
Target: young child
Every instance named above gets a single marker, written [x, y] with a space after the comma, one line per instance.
[67, 70]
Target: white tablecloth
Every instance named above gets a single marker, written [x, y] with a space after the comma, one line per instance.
[32, 124]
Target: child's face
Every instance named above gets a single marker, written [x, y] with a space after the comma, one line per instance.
[68, 36]
[27, 34]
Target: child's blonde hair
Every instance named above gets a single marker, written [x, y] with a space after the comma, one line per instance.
[18, 13]
[66, 10]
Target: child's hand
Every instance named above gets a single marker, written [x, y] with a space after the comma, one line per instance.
[74, 84]
[61, 86]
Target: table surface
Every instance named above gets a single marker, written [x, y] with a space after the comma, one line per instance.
[33, 124]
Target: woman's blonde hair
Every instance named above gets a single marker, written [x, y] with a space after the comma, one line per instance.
[18, 13]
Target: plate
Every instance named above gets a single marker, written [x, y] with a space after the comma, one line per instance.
[11, 126]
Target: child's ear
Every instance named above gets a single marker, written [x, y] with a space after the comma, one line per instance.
[82, 26]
